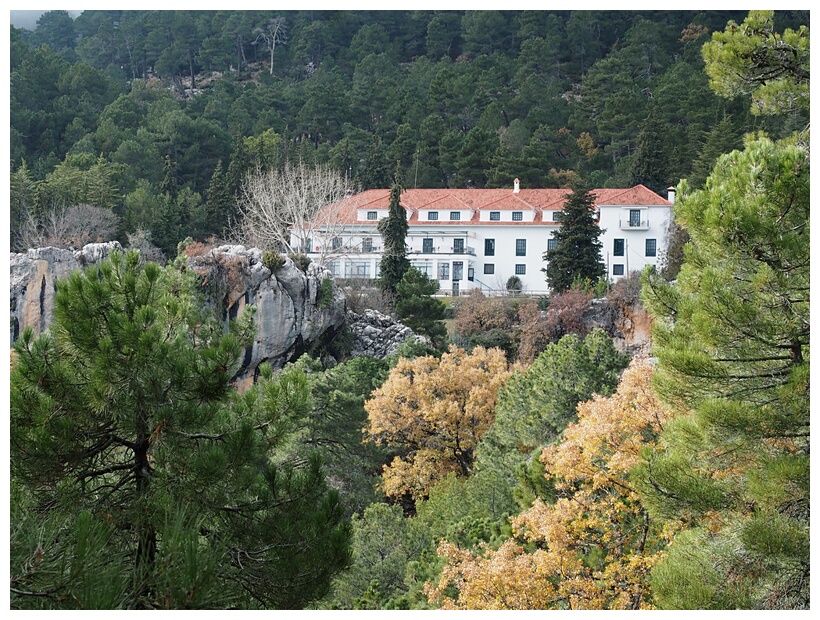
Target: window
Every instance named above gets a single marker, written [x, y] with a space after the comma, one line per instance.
[458, 246]
[618, 247]
[489, 269]
[425, 267]
[634, 217]
[444, 271]
[458, 271]
[489, 247]
[335, 243]
[651, 247]
[367, 244]
[495, 216]
[433, 215]
[520, 247]
[551, 244]
[617, 270]
[335, 268]
[517, 216]
[427, 245]
[358, 269]
[557, 216]
[372, 215]
[455, 215]
[307, 246]
[378, 269]
[520, 269]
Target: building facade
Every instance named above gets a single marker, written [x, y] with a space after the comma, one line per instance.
[478, 238]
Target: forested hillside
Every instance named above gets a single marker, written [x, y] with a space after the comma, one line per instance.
[520, 456]
[157, 115]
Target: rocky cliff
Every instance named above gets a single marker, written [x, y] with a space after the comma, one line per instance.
[33, 277]
[297, 311]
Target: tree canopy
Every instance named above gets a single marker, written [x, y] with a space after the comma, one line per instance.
[732, 339]
[140, 478]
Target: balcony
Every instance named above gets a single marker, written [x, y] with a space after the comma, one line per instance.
[634, 224]
[443, 250]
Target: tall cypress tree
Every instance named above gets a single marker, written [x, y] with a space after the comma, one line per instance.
[393, 230]
[577, 253]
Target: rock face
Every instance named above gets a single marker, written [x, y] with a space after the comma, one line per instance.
[296, 311]
[33, 275]
[629, 325]
[376, 334]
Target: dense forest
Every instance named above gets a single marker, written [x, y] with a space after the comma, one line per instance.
[158, 115]
[517, 459]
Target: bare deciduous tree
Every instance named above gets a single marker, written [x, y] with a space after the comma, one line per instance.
[296, 209]
[275, 32]
[140, 240]
[69, 227]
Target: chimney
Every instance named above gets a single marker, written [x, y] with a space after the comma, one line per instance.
[515, 186]
[670, 192]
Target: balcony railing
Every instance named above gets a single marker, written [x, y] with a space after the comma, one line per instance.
[443, 250]
[634, 224]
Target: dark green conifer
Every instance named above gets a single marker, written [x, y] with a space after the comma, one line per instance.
[577, 253]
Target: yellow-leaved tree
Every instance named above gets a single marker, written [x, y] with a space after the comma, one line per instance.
[434, 411]
[593, 547]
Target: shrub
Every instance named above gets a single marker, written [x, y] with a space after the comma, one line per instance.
[300, 260]
[273, 260]
[514, 284]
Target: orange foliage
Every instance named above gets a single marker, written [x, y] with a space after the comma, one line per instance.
[434, 411]
[594, 547]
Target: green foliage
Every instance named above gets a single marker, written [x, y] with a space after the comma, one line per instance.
[384, 542]
[514, 284]
[393, 230]
[536, 405]
[273, 260]
[157, 485]
[577, 252]
[416, 308]
[753, 59]
[334, 425]
[325, 299]
[300, 260]
[732, 339]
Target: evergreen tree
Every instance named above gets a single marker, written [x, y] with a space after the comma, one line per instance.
[393, 230]
[577, 253]
[650, 166]
[417, 309]
[732, 339]
[141, 478]
[219, 203]
[721, 139]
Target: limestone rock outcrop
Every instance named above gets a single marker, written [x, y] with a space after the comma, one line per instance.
[296, 311]
[376, 335]
[32, 281]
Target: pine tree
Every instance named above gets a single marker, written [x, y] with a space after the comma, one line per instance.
[650, 167]
[732, 339]
[577, 253]
[219, 204]
[141, 479]
[723, 138]
[393, 230]
[416, 308]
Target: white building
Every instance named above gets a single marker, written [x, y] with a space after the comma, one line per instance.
[478, 238]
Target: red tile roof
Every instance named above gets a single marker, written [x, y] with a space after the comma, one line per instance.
[538, 200]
